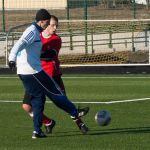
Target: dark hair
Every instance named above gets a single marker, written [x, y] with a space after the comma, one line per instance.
[54, 17]
[42, 14]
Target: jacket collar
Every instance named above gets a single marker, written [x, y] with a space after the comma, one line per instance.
[40, 29]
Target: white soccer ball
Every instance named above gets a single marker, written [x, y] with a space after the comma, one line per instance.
[103, 117]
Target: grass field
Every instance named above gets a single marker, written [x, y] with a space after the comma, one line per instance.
[128, 130]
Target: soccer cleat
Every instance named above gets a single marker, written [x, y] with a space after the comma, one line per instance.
[50, 127]
[82, 111]
[36, 135]
[83, 128]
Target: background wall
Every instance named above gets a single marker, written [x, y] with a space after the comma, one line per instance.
[33, 4]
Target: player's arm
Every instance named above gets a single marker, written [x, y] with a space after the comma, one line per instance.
[48, 55]
[26, 39]
[57, 44]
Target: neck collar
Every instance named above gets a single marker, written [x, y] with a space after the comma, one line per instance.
[40, 29]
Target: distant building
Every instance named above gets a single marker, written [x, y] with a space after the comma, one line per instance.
[33, 4]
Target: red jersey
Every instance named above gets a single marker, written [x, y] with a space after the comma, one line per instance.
[52, 68]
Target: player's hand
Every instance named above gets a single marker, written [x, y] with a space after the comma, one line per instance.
[48, 55]
[12, 65]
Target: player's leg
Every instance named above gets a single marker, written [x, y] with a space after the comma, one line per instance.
[33, 88]
[54, 93]
[37, 107]
[48, 123]
[81, 111]
[59, 81]
[27, 104]
[27, 108]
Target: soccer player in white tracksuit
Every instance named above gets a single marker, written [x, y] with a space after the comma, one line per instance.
[26, 55]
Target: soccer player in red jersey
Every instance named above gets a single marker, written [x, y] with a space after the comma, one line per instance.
[51, 65]
[52, 43]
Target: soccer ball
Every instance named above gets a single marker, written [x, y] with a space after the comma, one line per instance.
[103, 117]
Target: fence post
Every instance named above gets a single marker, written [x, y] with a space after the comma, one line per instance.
[133, 48]
[134, 9]
[149, 49]
[110, 38]
[85, 18]
[146, 37]
[70, 31]
[92, 32]
[3, 15]
[68, 14]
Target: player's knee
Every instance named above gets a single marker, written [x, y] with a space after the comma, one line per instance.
[27, 108]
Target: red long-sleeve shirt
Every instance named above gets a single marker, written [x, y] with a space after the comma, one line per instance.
[51, 67]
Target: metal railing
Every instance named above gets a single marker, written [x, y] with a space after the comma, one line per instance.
[96, 39]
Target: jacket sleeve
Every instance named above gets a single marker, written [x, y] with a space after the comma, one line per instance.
[26, 39]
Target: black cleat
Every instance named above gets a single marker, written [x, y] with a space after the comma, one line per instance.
[83, 111]
[36, 135]
[83, 128]
[50, 127]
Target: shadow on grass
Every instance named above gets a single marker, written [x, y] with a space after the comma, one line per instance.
[136, 130]
[132, 130]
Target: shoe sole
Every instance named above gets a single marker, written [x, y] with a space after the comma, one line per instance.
[33, 137]
[83, 114]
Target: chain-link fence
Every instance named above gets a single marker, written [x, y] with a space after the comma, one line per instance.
[17, 12]
[77, 36]
[98, 41]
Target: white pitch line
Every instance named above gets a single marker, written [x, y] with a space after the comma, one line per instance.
[113, 102]
[88, 77]
[109, 102]
[105, 77]
[9, 101]
[8, 77]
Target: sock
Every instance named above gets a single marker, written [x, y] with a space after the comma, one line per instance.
[46, 121]
[78, 121]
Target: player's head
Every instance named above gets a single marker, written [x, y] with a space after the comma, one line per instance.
[52, 27]
[43, 18]
[54, 20]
